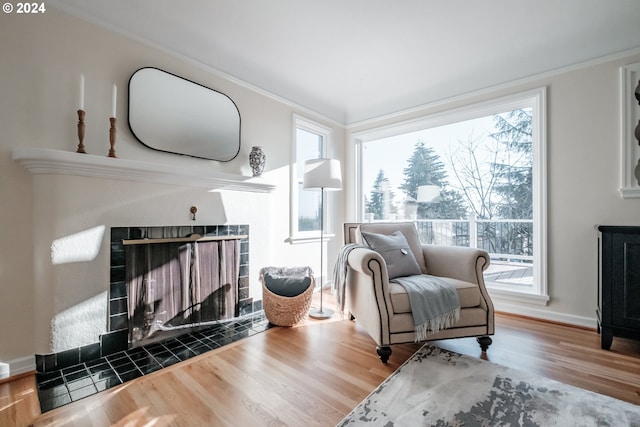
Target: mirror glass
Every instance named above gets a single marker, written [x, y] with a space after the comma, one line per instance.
[175, 115]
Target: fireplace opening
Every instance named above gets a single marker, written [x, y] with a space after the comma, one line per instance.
[177, 285]
[152, 311]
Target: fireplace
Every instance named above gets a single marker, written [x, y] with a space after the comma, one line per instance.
[180, 254]
[177, 285]
[167, 333]
[117, 337]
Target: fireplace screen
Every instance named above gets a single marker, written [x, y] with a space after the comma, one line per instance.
[173, 286]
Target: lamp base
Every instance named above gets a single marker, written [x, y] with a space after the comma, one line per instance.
[323, 313]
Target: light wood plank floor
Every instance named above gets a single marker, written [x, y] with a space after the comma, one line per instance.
[314, 374]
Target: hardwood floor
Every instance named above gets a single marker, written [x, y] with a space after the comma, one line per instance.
[314, 374]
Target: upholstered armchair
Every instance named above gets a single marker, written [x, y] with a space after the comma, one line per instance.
[382, 306]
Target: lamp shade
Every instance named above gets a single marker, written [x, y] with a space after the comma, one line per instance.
[322, 174]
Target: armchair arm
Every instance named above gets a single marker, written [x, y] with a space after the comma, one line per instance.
[360, 259]
[456, 262]
[367, 292]
[462, 263]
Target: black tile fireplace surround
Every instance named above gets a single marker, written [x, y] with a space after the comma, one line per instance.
[79, 372]
[59, 387]
[116, 339]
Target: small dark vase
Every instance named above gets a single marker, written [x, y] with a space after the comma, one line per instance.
[257, 160]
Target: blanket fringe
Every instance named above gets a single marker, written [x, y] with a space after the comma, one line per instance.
[436, 325]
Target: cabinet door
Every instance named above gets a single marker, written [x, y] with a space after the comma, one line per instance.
[626, 281]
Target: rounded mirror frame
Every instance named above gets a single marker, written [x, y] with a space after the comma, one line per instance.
[171, 114]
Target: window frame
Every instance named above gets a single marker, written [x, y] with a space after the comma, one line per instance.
[536, 99]
[629, 148]
[326, 133]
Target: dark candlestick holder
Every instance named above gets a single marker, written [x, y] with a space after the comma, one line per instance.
[112, 137]
[81, 132]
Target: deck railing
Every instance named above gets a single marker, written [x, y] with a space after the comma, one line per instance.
[510, 240]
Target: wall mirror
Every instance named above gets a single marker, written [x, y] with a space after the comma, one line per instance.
[175, 115]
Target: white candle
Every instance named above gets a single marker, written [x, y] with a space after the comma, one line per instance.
[81, 103]
[114, 95]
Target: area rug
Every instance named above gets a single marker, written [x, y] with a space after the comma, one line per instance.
[436, 387]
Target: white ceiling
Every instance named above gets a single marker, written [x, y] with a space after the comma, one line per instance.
[351, 60]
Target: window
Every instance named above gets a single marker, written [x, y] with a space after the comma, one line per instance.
[469, 177]
[311, 141]
[630, 150]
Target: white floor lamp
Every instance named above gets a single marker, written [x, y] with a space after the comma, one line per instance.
[322, 174]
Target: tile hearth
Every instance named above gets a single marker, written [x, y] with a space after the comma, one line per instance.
[58, 388]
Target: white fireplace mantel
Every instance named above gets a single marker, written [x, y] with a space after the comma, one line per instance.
[48, 161]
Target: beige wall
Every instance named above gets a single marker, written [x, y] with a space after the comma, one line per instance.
[42, 58]
[46, 307]
[583, 174]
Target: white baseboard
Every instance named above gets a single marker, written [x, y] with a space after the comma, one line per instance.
[21, 365]
[545, 314]
[4, 370]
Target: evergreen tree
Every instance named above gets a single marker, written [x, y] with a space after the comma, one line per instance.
[380, 201]
[450, 206]
[425, 168]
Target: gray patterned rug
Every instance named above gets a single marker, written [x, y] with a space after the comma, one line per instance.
[436, 387]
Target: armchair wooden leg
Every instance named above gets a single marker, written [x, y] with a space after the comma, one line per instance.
[484, 342]
[384, 353]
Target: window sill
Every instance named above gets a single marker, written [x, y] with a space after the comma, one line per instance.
[301, 238]
[511, 296]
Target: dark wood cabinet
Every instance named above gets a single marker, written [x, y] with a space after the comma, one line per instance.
[618, 283]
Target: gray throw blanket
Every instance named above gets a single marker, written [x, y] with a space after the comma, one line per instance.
[340, 272]
[434, 303]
